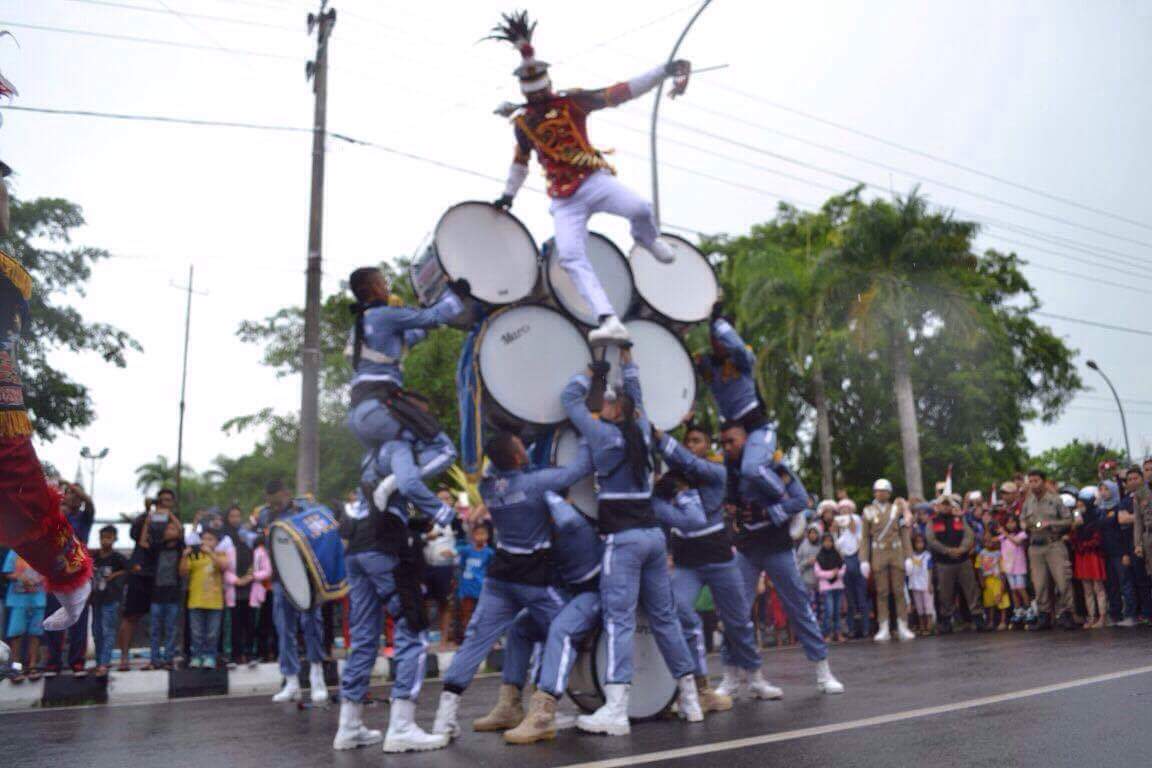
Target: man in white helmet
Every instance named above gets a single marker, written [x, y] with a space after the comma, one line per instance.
[885, 545]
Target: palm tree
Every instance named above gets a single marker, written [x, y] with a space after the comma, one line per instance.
[913, 272]
[158, 474]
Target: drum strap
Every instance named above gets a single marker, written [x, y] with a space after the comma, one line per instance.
[406, 410]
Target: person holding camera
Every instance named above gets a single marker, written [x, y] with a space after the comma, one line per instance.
[147, 527]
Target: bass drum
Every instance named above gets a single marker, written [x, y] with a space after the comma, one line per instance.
[308, 557]
[611, 268]
[525, 357]
[565, 445]
[653, 687]
[667, 376]
[680, 294]
[485, 245]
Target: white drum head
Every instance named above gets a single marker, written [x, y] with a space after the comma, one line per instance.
[683, 291]
[653, 686]
[527, 355]
[565, 447]
[490, 249]
[290, 568]
[610, 267]
[667, 376]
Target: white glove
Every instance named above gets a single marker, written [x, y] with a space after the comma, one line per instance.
[384, 491]
[71, 607]
[865, 569]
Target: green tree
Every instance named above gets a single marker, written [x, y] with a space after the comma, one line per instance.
[41, 239]
[154, 475]
[1075, 462]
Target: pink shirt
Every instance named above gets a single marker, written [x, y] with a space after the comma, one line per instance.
[1013, 558]
[261, 570]
[830, 580]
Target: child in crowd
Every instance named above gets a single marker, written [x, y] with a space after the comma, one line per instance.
[474, 559]
[108, 571]
[781, 630]
[919, 569]
[995, 597]
[165, 609]
[829, 569]
[1014, 564]
[1088, 553]
[806, 561]
[25, 600]
[204, 567]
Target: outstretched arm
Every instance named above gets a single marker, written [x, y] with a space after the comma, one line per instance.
[738, 352]
[586, 424]
[565, 517]
[685, 512]
[699, 470]
[559, 478]
[634, 88]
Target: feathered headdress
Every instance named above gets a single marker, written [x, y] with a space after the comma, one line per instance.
[517, 29]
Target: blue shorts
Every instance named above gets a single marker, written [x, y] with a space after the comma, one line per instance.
[440, 582]
[1016, 581]
[25, 620]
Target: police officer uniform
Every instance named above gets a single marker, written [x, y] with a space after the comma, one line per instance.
[1046, 520]
[886, 543]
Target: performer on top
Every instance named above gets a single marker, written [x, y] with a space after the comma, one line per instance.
[728, 372]
[580, 181]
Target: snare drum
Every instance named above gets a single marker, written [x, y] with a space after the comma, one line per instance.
[525, 357]
[653, 687]
[565, 448]
[309, 557]
[488, 247]
[667, 376]
[611, 269]
[681, 293]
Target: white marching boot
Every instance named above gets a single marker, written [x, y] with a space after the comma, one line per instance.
[761, 688]
[884, 635]
[319, 687]
[732, 683]
[662, 251]
[290, 691]
[447, 722]
[403, 733]
[612, 718]
[5, 652]
[902, 630]
[72, 605]
[825, 681]
[611, 329]
[688, 702]
[352, 733]
[384, 490]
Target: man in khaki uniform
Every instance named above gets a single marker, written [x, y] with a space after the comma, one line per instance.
[884, 546]
[1046, 520]
[1137, 487]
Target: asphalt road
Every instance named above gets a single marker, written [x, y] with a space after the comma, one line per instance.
[1057, 699]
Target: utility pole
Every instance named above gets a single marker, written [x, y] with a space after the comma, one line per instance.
[183, 386]
[307, 463]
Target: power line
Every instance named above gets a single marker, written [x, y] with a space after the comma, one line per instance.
[1082, 321]
[188, 15]
[151, 41]
[157, 118]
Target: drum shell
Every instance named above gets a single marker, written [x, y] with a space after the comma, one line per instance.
[430, 281]
[699, 274]
[315, 535]
[668, 399]
[615, 278]
[582, 493]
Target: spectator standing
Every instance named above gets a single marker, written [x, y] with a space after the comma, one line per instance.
[1088, 555]
[1141, 571]
[165, 608]
[1118, 544]
[1014, 563]
[474, 560]
[109, 572]
[885, 545]
[1047, 520]
[259, 602]
[994, 595]
[952, 540]
[829, 570]
[25, 600]
[918, 566]
[238, 580]
[849, 529]
[80, 512]
[142, 568]
[440, 576]
[806, 553]
[204, 568]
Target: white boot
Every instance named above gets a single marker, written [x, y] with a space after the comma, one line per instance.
[72, 605]
[902, 630]
[384, 490]
[689, 700]
[825, 682]
[761, 688]
[290, 691]
[319, 687]
[446, 715]
[5, 652]
[352, 732]
[403, 733]
[733, 682]
[884, 635]
[612, 718]
[662, 251]
[611, 329]
[565, 721]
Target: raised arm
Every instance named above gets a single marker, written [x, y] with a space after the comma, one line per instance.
[630, 373]
[699, 470]
[738, 352]
[558, 478]
[685, 512]
[634, 88]
[564, 516]
[440, 313]
[517, 172]
[586, 424]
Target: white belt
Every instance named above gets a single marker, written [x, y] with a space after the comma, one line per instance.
[699, 532]
[632, 495]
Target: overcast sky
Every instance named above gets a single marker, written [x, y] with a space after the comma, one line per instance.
[1048, 95]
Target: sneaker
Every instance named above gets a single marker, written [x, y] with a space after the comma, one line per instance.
[1128, 623]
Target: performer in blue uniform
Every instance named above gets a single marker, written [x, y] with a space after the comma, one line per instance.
[635, 557]
[520, 577]
[768, 496]
[728, 372]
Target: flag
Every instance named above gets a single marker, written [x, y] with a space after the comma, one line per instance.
[948, 481]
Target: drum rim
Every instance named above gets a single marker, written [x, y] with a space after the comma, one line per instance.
[484, 332]
[502, 211]
[600, 688]
[668, 320]
[546, 263]
[553, 443]
[683, 345]
[319, 595]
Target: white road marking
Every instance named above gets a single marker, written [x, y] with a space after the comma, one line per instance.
[819, 730]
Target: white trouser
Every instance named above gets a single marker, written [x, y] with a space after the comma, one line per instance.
[600, 193]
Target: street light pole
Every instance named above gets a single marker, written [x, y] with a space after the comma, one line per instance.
[93, 457]
[1123, 421]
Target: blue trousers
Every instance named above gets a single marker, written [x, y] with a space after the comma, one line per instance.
[832, 601]
[732, 607]
[371, 591]
[782, 569]
[373, 424]
[205, 627]
[396, 457]
[105, 621]
[1121, 597]
[856, 589]
[164, 617]
[499, 605]
[579, 616]
[635, 572]
[287, 619]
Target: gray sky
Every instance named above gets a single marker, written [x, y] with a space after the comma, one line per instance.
[1043, 94]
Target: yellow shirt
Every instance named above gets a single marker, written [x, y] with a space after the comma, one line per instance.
[205, 583]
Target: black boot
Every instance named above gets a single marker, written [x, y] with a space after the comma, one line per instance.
[979, 624]
[1066, 622]
[1043, 622]
[944, 627]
